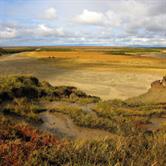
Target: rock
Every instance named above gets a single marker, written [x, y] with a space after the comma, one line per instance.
[155, 95]
[159, 83]
[164, 81]
[156, 84]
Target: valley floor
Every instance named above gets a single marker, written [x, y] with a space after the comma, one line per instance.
[106, 76]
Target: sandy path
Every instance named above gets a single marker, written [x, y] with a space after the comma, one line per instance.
[62, 125]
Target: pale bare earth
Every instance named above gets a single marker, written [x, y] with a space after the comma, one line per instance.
[107, 85]
[109, 77]
[62, 125]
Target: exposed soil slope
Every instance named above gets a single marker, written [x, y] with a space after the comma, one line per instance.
[63, 126]
[156, 94]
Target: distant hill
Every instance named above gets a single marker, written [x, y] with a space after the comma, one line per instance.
[3, 51]
[156, 94]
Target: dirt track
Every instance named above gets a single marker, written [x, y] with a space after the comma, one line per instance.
[63, 126]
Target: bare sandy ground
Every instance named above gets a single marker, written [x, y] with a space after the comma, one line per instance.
[61, 124]
[107, 84]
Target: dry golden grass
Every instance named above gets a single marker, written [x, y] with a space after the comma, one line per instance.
[96, 56]
[99, 61]
[92, 69]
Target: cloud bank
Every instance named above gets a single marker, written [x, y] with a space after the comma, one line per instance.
[49, 14]
[132, 22]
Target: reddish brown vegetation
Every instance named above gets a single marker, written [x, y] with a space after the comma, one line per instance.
[17, 142]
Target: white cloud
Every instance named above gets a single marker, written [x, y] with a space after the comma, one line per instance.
[119, 22]
[131, 17]
[112, 19]
[50, 14]
[8, 33]
[90, 17]
[134, 16]
[43, 30]
[60, 31]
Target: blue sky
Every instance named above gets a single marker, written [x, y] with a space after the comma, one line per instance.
[83, 22]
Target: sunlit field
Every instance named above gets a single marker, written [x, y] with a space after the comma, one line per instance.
[103, 71]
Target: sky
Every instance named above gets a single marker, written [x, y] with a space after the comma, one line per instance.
[83, 22]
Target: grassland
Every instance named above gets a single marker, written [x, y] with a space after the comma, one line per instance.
[37, 148]
[47, 121]
[128, 134]
[94, 70]
[101, 60]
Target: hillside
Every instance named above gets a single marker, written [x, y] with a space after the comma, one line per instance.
[156, 94]
[61, 125]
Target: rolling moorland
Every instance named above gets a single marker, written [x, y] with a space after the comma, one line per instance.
[115, 116]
